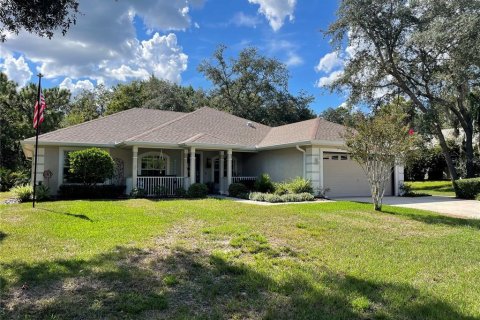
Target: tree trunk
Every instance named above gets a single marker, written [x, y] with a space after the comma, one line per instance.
[446, 153]
[469, 153]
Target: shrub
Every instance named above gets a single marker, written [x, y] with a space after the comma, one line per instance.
[160, 191]
[467, 188]
[257, 196]
[137, 193]
[237, 189]
[477, 197]
[197, 190]
[80, 191]
[10, 179]
[91, 166]
[42, 193]
[406, 190]
[281, 188]
[275, 198]
[23, 193]
[294, 186]
[180, 193]
[264, 183]
[299, 185]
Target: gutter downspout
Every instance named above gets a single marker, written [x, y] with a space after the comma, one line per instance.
[302, 151]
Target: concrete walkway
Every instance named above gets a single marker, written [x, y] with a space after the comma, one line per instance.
[469, 209]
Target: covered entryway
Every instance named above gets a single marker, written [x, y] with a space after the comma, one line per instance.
[344, 177]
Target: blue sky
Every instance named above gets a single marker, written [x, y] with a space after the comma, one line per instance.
[119, 41]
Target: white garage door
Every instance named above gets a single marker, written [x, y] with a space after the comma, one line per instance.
[345, 178]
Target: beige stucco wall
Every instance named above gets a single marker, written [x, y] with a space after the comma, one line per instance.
[51, 163]
[280, 164]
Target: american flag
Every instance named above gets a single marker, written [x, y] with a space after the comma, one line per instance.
[38, 113]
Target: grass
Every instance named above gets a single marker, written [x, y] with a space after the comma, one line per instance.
[218, 259]
[434, 188]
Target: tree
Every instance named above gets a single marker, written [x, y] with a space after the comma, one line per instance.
[16, 117]
[125, 96]
[38, 17]
[91, 166]
[378, 143]
[254, 87]
[428, 51]
[343, 115]
[166, 95]
[87, 105]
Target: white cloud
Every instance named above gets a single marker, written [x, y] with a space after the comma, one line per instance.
[76, 87]
[276, 11]
[293, 60]
[329, 62]
[103, 46]
[16, 69]
[329, 79]
[160, 56]
[287, 50]
[241, 19]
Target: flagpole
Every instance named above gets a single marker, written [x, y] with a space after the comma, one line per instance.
[37, 129]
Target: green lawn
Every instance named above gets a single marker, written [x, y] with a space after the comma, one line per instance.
[217, 259]
[435, 188]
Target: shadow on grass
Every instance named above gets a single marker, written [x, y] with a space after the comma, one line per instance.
[135, 283]
[74, 215]
[436, 219]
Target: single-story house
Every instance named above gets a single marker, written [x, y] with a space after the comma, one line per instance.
[207, 146]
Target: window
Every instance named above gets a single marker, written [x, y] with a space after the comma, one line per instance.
[343, 157]
[334, 157]
[154, 164]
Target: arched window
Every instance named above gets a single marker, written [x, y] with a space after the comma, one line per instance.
[153, 164]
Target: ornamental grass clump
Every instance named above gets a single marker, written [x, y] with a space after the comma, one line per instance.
[23, 193]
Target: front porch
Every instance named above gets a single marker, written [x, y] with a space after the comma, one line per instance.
[165, 171]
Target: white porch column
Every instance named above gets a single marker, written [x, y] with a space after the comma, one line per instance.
[229, 168]
[134, 166]
[221, 170]
[185, 163]
[192, 165]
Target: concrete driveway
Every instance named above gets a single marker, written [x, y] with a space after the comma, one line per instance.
[449, 206]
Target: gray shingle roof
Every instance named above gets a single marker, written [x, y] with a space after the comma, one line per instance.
[205, 126]
[216, 124]
[110, 129]
[313, 129]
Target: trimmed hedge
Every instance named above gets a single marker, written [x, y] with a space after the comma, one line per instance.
[80, 191]
[197, 191]
[467, 188]
[275, 198]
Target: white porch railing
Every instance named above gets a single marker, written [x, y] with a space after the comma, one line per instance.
[240, 179]
[171, 184]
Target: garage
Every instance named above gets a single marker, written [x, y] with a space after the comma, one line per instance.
[344, 177]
